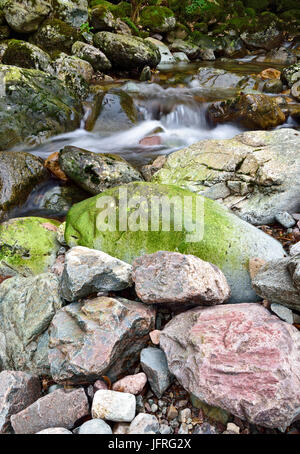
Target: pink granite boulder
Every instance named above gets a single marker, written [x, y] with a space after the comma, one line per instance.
[173, 278]
[239, 358]
[133, 384]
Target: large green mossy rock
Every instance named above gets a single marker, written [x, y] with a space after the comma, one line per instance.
[227, 241]
[28, 246]
[34, 106]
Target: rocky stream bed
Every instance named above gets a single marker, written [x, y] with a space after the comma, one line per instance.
[143, 330]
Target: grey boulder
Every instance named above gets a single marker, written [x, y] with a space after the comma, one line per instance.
[95, 426]
[155, 366]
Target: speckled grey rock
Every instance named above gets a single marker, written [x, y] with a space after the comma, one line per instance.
[95, 426]
[73, 12]
[144, 423]
[25, 16]
[88, 271]
[55, 431]
[91, 54]
[114, 406]
[154, 364]
[283, 312]
[18, 390]
[285, 219]
[27, 306]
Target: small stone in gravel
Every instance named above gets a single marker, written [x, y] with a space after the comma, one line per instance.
[140, 408]
[172, 413]
[121, 428]
[155, 366]
[154, 408]
[283, 312]
[55, 431]
[205, 429]
[18, 390]
[184, 415]
[295, 249]
[164, 429]
[171, 277]
[99, 384]
[183, 429]
[57, 409]
[285, 219]
[114, 406]
[88, 271]
[154, 336]
[132, 384]
[95, 426]
[233, 428]
[144, 424]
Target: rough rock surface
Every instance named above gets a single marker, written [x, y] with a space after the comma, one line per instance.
[96, 172]
[253, 111]
[18, 390]
[28, 246]
[114, 406]
[27, 306]
[25, 16]
[101, 336]
[19, 173]
[56, 35]
[58, 409]
[132, 384]
[127, 52]
[154, 364]
[255, 173]
[144, 423]
[239, 358]
[94, 56]
[268, 39]
[26, 55]
[170, 277]
[73, 12]
[51, 107]
[88, 271]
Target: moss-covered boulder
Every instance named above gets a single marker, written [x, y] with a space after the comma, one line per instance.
[19, 173]
[102, 19]
[158, 19]
[28, 246]
[291, 74]
[251, 111]
[218, 236]
[94, 56]
[25, 16]
[55, 35]
[268, 39]
[26, 55]
[96, 172]
[73, 12]
[51, 108]
[127, 52]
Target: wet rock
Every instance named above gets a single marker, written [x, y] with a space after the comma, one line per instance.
[291, 74]
[150, 169]
[52, 164]
[73, 12]
[26, 16]
[233, 47]
[19, 173]
[51, 107]
[66, 66]
[158, 19]
[251, 111]
[258, 382]
[165, 55]
[181, 57]
[280, 56]
[101, 19]
[295, 90]
[285, 219]
[270, 73]
[144, 424]
[92, 55]
[273, 86]
[132, 384]
[268, 39]
[55, 431]
[274, 282]
[114, 406]
[27, 306]
[188, 48]
[173, 278]
[127, 52]
[59, 409]
[260, 169]
[117, 113]
[154, 364]
[55, 35]
[18, 390]
[96, 172]
[95, 427]
[88, 271]
[223, 231]
[104, 337]
[146, 74]
[221, 79]
[26, 55]
[283, 312]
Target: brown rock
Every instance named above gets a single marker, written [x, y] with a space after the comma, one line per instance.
[150, 141]
[150, 169]
[57, 409]
[101, 336]
[172, 413]
[18, 390]
[270, 73]
[170, 277]
[237, 357]
[52, 164]
[132, 384]
[154, 336]
[253, 111]
[255, 265]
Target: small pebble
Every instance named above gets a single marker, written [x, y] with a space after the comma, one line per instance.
[172, 413]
